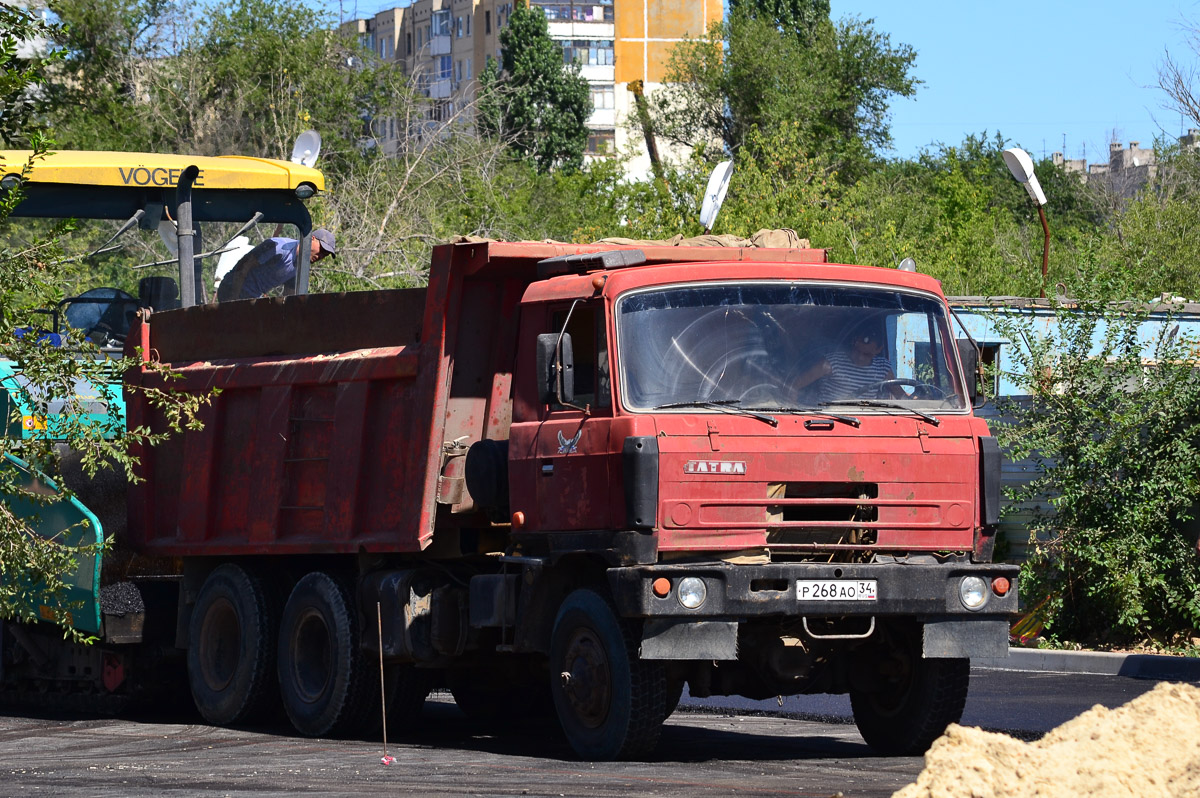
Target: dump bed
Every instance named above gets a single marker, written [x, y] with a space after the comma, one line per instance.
[342, 419]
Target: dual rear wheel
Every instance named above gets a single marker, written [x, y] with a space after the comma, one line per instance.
[247, 658]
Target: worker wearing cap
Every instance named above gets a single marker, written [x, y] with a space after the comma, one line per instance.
[270, 265]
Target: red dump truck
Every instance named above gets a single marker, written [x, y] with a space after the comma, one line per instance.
[578, 478]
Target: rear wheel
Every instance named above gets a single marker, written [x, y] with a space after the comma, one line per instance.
[911, 701]
[327, 685]
[231, 651]
[611, 704]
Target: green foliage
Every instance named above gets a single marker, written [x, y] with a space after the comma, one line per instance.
[748, 73]
[1114, 558]
[22, 66]
[958, 212]
[536, 102]
[777, 185]
[1157, 233]
[801, 17]
[33, 567]
[243, 76]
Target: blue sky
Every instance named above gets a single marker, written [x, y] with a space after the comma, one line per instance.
[1034, 71]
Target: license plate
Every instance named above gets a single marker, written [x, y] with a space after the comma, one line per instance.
[836, 589]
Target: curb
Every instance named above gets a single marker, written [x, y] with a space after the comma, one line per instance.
[1101, 663]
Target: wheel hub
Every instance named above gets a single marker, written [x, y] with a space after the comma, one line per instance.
[587, 679]
[220, 648]
[312, 659]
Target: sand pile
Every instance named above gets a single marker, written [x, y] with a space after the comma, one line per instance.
[1148, 747]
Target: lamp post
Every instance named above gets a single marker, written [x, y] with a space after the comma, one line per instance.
[1021, 166]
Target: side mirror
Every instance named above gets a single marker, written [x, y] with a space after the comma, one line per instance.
[968, 355]
[556, 369]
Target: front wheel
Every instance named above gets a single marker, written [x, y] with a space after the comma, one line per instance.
[911, 702]
[611, 704]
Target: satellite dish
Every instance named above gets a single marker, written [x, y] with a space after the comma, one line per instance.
[714, 195]
[169, 236]
[233, 253]
[307, 148]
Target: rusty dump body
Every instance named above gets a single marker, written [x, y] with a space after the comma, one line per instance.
[335, 427]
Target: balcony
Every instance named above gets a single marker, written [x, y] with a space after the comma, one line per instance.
[440, 89]
[581, 30]
[440, 45]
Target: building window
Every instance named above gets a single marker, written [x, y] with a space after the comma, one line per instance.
[589, 52]
[420, 42]
[458, 27]
[487, 22]
[458, 71]
[469, 73]
[468, 24]
[444, 67]
[603, 96]
[601, 142]
[441, 23]
[589, 11]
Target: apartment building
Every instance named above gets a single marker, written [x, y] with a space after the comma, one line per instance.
[444, 44]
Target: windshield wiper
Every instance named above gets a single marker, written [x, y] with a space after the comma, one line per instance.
[812, 411]
[880, 403]
[725, 406]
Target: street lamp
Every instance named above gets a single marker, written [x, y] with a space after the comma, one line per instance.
[1021, 166]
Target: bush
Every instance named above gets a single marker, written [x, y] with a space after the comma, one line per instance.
[1114, 421]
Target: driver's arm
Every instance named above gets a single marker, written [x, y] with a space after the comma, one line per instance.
[810, 375]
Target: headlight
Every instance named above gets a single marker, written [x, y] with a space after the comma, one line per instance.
[692, 592]
[973, 592]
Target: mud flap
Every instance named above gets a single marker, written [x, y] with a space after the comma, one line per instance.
[689, 640]
[963, 639]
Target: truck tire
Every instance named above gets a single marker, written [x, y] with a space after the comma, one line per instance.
[919, 699]
[231, 650]
[327, 684]
[610, 703]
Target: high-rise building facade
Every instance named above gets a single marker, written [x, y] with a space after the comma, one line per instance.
[444, 44]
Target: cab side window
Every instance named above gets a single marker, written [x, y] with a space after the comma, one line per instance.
[586, 328]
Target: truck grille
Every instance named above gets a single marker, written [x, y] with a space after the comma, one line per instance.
[821, 513]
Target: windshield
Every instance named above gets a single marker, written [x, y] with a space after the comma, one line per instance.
[786, 346]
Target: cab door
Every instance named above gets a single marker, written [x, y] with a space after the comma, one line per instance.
[561, 462]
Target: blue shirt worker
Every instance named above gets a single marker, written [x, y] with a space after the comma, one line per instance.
[270, 265]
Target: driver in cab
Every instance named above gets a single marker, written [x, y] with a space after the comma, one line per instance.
[853, 372]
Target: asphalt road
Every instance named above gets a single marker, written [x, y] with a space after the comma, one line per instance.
[705, 750]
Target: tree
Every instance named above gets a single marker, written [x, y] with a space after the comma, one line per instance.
[802, 17]
[23, 62]
[35, 564]
[1177, 79]
[535, 101]
[243, 76]
[836, 81]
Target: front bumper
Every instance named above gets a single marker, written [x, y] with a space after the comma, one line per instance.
[743, 592]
